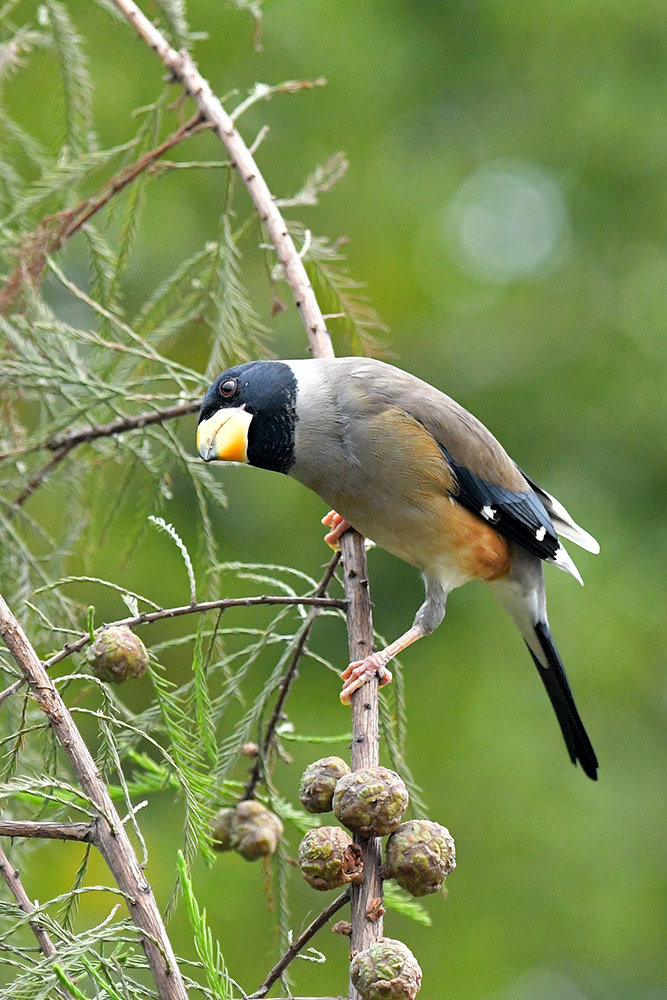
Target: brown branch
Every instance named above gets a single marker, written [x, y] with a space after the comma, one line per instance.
[366, 926]
[54, 230]
[46, 945]
[286, 683]
[364, 701]
[37, 479]
[302, 940]
[148, 617]
[184, 70]
[122, 424]
[62, 444]
[13, 880]
[81, 832]
[117, 426]
[111, 837]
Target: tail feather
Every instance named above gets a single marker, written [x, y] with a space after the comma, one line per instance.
[557, 686]
[563, 521]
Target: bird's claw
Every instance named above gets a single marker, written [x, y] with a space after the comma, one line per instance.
[338, 527]
[359, 671]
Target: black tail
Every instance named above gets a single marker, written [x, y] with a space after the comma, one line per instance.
[554, 679]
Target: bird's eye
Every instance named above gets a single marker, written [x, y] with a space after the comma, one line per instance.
[228, 387]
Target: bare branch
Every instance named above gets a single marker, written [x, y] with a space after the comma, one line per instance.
[148, 617]
[302, 940]
[54, 230]
[46, 945]
[184, 70]
[111, 838]
[13, 880]
[286, 684]
[81, 832]
[120, 425]
[366, 926]
[37, 479]
[62, 444]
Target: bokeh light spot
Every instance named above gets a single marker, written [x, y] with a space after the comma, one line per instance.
[506, 221]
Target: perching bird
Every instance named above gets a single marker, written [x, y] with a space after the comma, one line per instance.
[411, 469]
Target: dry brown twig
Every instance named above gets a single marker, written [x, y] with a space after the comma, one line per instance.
[54, 230]
[292, 667]
[110, 835]
[81, 832]
[62, 444]
[310, 931]
[84, 435]
[198, 607]
[46, 945]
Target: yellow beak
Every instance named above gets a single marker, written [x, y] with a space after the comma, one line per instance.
[224, 436]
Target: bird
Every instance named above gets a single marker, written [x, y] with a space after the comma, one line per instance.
[408, 467]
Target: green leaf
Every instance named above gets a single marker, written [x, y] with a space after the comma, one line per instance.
[347, 311]
[77, 87]
[402, 902]
[208, 951]
[203, 708]
[239, 334]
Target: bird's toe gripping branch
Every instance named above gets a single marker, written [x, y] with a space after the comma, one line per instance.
[360, 671]
[338, 527]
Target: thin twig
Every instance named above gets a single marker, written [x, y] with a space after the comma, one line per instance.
[62, 444]
[286, 683]
[54, 230]
[81, 832]
[302, 940]
[148, 617]
[13, 880]
[46, 945]
[118, 426]
[37, 479]
[111, 838]
[184, 70]
[366, 905]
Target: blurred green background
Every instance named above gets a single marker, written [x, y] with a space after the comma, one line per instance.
[506, 209]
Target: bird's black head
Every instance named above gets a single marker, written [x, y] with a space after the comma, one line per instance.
[248, 414]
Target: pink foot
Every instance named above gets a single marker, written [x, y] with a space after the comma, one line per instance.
[338, 527]
[360, 671]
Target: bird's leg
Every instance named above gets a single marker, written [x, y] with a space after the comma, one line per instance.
[358, 672]
[338, 527]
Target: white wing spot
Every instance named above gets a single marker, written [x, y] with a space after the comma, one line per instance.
[540, 533]
[489, 513]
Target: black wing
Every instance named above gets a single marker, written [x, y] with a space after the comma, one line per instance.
[521, 517]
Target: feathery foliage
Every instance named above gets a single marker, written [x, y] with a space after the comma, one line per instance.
[99, 383]
[209, 952]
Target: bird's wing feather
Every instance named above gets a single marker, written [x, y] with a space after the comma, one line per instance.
[487, 481]
[564, 522]
[519, 516]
